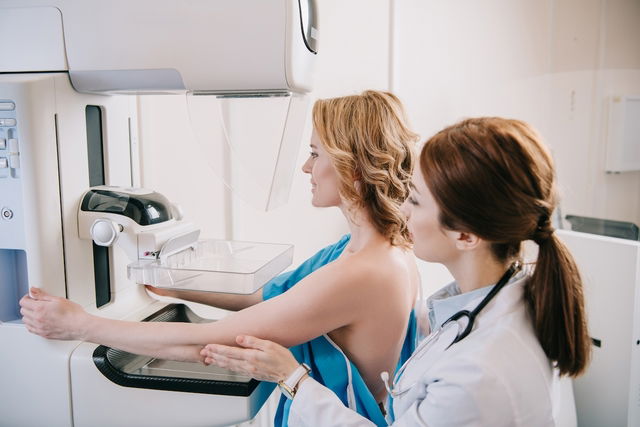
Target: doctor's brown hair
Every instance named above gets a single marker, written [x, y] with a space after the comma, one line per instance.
[494, 178]
[372, 150]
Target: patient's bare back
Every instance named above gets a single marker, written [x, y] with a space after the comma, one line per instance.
[382, 289]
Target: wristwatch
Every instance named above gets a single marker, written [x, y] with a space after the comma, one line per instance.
[289, 387]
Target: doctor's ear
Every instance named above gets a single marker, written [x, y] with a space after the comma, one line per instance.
[466, 241]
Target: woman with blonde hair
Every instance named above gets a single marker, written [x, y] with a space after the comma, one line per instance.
[502, 335]
[345, 311]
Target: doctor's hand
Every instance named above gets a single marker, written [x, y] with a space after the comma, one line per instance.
[261, 359]
[53, 317]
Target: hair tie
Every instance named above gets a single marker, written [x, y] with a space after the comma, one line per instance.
[544, 230]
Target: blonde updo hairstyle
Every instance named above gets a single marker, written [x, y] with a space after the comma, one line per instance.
[372, 150]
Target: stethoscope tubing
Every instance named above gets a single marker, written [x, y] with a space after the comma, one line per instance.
[394, 390]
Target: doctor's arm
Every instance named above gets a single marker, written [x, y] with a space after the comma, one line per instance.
[318, 304]
[313, 404]
[458, 395]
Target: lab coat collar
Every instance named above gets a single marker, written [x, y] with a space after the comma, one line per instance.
[449, 300]
[509, 299]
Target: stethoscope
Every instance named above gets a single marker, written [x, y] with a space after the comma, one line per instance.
[394, 390]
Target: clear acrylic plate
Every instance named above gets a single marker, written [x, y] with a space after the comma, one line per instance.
[216, 266]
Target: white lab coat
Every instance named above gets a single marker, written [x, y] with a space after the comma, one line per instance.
[497, 376]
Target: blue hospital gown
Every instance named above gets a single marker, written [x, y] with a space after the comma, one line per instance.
[328, 364]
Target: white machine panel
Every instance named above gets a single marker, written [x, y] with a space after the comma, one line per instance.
[139, 46]
[35, 379]
[609, 393]
[30, 50]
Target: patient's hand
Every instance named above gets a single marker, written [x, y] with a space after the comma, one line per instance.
[162, 291]
[53, 317]
[260, 359]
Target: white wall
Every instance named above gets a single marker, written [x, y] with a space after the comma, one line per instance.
[594, 57]
[552, 63]
[175, 163]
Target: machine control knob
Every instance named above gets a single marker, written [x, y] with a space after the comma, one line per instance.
[105, 232]
[6, 213]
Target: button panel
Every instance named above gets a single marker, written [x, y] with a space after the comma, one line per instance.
[14, 161]
[9, 143]
[7, 122]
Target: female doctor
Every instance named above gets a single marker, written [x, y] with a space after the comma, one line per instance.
[501, 334]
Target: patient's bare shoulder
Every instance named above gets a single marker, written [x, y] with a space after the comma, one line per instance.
[375, 269]
[357, 280]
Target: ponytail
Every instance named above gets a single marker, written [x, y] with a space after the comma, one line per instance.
[555, 298]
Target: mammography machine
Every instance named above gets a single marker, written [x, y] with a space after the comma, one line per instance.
[73, 220]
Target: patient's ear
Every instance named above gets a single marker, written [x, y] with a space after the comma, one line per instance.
[357, 184]
[466, 241]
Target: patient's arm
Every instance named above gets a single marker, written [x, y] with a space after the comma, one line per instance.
[322, 302]
[239, 302]
[231, 302]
